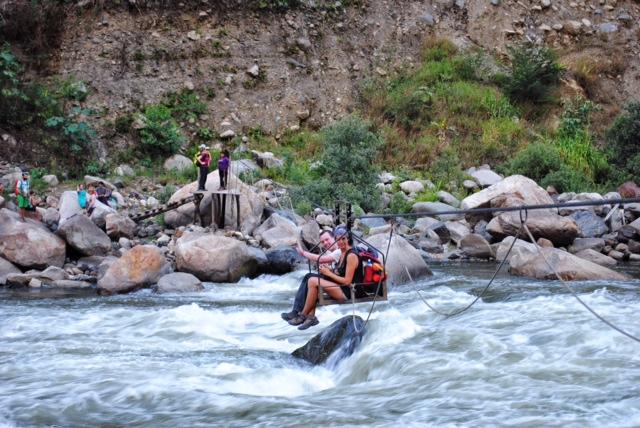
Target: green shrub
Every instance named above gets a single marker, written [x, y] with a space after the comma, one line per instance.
[568, 180]
[623, 139]
[205, 134]
[185, 105]
[399, 204]
[73, 89]
[446, 168]
[123, 123]
[576, 116]
[161, 134]
[78, 138]
[534, 72]
[534, 161]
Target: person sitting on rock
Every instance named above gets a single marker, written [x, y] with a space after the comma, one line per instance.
[82, 196]
[91, 199]
[103, 194]
[335, 283]
[329, 256]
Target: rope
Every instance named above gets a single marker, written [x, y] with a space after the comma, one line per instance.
[506, 209]
[587, 307]
[485, 289]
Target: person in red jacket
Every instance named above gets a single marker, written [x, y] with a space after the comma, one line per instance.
[204, 160]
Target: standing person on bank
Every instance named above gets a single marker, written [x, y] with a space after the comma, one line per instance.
[223, 168]
[203, 162]
[22, 192]
[329, 256]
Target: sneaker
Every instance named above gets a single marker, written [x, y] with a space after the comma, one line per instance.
[308, 322]
[299, 319]
[287, 316]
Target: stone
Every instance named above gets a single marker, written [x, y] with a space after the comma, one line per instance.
[324, 220]
[267, 160]
[51, 218]
[303, 43]
[283, 260]
[124, 171]
[581, 244]
[303, 114]
[545, 243]
[616, 255]
[100, 212]
[178, 282]
[633, 246]
[178, 162]
[559, 230]
[92, 180]
[425, 223]
[502, 248]
[624, 16]
[568, 266]
[51, 180]
[485, 177]
[228, 134]
[241, 166]
[433, 208]
[68, 206]
[7, 268]
[193, 35]
[410, 186]
[335, 343]
[475, 246]
[254, 71]
[214, 258]
[139, 267]
[457, 230]
[470, 185]
[277, 231]
[71, 284]
[596, 257]
[427, 19]
[629, 189]
[545, 3]
[448, 198]
[589, 224]
[152, 202]
[251, 205]
[386, 177]
[84, 236]
[573, 27]
[402, 257]
[431, 245]
[635, 225]
[519, 185]
[119, 226]
[627, 232]
[29, 244]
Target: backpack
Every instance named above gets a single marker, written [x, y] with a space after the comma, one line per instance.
[372, 268]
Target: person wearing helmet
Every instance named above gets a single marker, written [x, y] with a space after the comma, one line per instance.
[203, 162]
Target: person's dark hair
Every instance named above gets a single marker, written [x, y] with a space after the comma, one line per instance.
[322, 232]
[225, 152]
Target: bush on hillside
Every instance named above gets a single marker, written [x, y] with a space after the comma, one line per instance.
[623, 139]
[346, 169]
[161, 133]
[535, 161]
[534, 72]
[568, 180]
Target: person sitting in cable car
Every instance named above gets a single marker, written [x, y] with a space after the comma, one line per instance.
[335, 283]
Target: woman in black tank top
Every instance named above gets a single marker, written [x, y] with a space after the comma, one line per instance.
[336, 284]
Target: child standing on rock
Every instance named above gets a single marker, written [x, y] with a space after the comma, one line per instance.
[223, 168]
[22, 192]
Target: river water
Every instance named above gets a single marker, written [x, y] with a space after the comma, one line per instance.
[526, 355]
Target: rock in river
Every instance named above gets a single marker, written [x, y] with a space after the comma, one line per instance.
[336, 342]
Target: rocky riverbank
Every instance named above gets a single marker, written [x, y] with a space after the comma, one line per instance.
[113, 254]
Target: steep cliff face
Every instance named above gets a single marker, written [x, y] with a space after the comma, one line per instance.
[302, 66]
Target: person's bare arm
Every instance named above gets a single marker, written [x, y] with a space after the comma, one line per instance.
[352, 265]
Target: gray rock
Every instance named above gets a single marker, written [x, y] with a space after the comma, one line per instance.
[70, 284]
[433, 208]
[607, 27]
[7, 268]
[178, 282]
[597, 258]
[475, 246]
[84, 236]
[303, 43]
[469, 184]
[457, 230]
[559, 230]
[589, 224]
[29, 244]
[427, 19]
[373, 222]
[282, 260]
[386, 177]
[124, 171]
[448, 198]
[267, 160]
[485, 177]
[524, 187]
[431, 245]
[627, 232]
[411, 186]
[277, 231]
[624, 16]
[51, 218]
[214, 258]
[335, 343]
[178, 162]
[119, 226]
[402, 256]
[68, 205]
[425, 223]
[581, 244]
[90, 179]
[51, 180]
[139, 267]
[633, 246]
[99, 214]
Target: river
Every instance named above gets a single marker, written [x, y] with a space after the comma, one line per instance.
[526, 355]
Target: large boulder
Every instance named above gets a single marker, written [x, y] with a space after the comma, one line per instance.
[282, 260]
[525, 188]
[597, 258]
[97, 181]
[277, 231]
[178, 282]
[310, 233]
[485, 177]
[402, 257]
[589, 224]
[7, 268]
[214, 258]
[47, 277]
[457, 230]
[119, 226]
[336, 342]
[433, 208]
[559, 230]
[581, 244]
[29, 244]
[178, 162]
[139, 267]
[570, 267]
[475, 246]
[251, 204]
[68, 206]
[100, 213]
[502, 249]
[84, 236]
